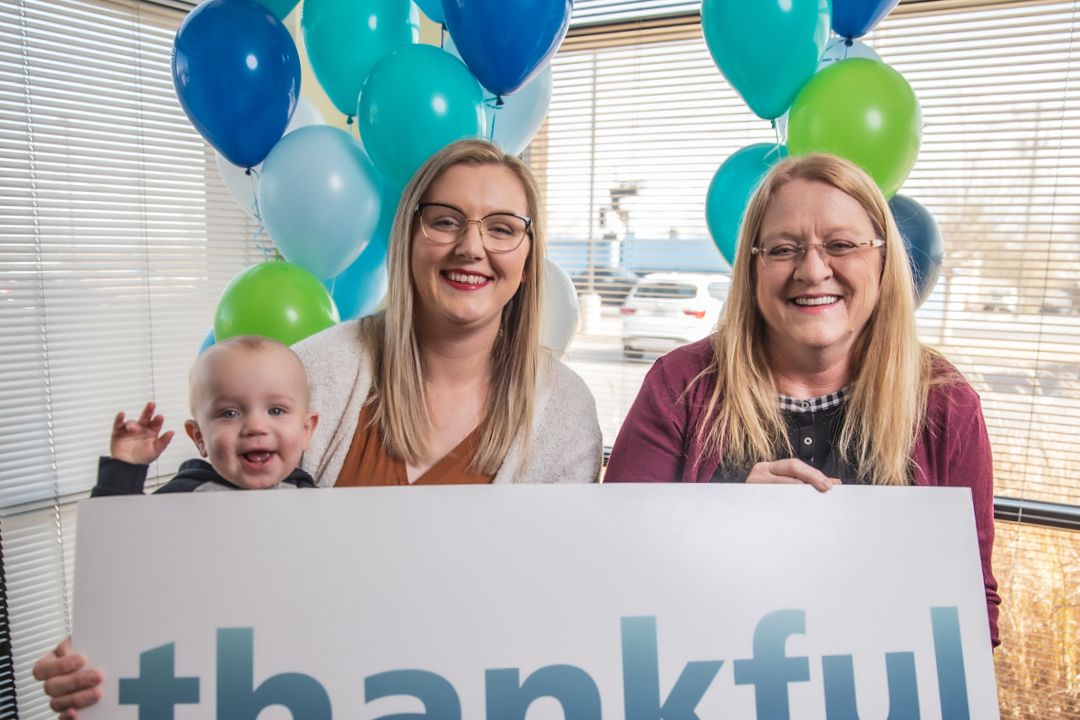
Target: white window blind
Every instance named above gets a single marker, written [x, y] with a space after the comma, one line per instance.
[640, 120]
[600, 12]
[116, 238]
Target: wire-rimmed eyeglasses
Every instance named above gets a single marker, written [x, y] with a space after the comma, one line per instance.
[446, 224]
[786, 252]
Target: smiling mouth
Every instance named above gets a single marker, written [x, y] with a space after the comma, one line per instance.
[816, 301]
[467, 280]
[257, 459]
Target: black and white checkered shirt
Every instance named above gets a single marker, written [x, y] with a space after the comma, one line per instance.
[799, 405]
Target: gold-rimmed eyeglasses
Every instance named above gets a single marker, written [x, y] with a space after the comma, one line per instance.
[788, 253]
[445, 224]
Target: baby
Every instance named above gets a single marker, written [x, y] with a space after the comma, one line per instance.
[250, 419]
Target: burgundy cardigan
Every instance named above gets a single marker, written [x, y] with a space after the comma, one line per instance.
[658, 443]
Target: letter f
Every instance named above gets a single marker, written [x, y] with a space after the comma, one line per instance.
[771, 670]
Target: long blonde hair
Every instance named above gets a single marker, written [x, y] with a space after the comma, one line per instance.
[398, 402]
[891, 368]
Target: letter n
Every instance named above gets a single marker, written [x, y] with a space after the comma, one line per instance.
[570, 686]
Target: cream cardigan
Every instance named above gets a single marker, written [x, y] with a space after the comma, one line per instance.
[566, 445]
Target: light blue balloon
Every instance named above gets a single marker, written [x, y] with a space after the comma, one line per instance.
[433, 9]
[320, 196]
[730, 190]
[417, 100]
[514, 124]
[360, 289]
[207, 342]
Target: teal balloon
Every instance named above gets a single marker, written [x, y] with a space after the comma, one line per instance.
[433, 9]
[345, 39]
[319, 196]
[730, 190]
[280, 8]
[417, 100]
[274, 299]
[767, 49]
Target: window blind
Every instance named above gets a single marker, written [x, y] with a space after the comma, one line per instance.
[116, 238]
[600, 12]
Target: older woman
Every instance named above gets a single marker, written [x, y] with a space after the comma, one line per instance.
[449, 385]
[815, 373]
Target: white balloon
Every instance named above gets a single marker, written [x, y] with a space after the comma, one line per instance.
[520, 116]
[244, 187]
[559, 314]
[837, 49]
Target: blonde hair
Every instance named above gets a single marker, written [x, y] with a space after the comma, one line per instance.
[398, 402]
[244, 343]
[891, 368]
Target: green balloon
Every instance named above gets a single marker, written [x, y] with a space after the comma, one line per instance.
[416, 101]
[863, 111]
[274, 299]
[280, 8]
[767, 49]
[346, 38]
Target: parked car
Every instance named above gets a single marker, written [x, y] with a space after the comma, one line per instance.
[1057, 301]
[612, 284]
[665, 310]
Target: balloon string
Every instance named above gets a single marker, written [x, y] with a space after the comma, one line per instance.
[267, 248]
[442, 36]
[493, 104]
[779, 140]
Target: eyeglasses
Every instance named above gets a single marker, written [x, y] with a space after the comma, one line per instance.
[789, 254]
[445, 224]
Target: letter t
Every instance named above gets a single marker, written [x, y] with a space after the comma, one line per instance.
[157, 691]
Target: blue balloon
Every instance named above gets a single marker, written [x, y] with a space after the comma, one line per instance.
[319, 197]
[208, 341]
[359, 290]
[362, 286]
[922, 238]
[505, 44]
[855, 18]
[433, 9]
[237, 75]
[730, 190]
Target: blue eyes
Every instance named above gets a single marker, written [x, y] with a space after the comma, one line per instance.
[233, 413]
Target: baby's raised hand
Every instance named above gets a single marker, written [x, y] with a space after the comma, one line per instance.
[141, 441]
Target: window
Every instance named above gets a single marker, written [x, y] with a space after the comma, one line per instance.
[640, 120]
[116, 238]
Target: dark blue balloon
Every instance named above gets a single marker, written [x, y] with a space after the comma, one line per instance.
[506, 43]
[237, 75]
[922, 238]
[855, 18]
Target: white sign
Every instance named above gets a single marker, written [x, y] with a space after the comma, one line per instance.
[637, 602]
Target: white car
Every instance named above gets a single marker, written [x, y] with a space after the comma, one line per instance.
[666, 310]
